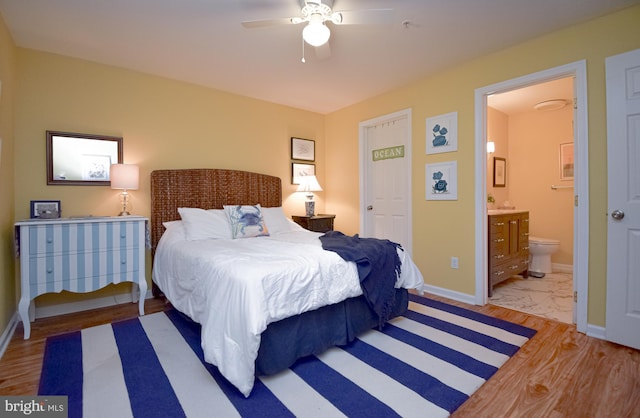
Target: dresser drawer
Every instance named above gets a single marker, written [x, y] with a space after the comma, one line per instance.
[68, 267]
[498, 226]
[63, 239]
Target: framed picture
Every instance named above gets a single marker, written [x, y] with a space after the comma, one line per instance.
[442, 181]
[566, 161]
[45, 209]
[442, 133]
[299, 170]
[499, 172]
[303, 149]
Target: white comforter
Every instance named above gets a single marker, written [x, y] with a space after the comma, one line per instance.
[235, 287]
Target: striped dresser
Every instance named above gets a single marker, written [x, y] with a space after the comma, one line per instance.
[80, 255]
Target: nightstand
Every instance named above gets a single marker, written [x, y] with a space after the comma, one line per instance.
[80, 255]
[317, 223]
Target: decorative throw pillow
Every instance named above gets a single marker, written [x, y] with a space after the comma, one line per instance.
[205, 224]
[246, 221]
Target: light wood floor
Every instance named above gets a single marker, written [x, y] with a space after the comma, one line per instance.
[558, 373]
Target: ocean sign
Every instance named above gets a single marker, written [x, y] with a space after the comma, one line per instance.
[388, 153]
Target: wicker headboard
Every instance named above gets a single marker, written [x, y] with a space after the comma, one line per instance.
[207, 188]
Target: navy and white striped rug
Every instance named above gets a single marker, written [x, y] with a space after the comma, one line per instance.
[426, 363]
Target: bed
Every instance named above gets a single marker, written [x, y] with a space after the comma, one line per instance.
[263, 302]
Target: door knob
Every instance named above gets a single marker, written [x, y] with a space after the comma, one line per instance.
[617, 214]
[369, 207]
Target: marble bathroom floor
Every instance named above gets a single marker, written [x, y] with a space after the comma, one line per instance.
[550, 297]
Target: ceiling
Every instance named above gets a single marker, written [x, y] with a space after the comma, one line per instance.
[203, 41]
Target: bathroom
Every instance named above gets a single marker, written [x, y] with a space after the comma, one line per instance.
[532, 130]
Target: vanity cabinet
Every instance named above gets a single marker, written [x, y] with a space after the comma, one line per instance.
[508, 235]
[80, 255]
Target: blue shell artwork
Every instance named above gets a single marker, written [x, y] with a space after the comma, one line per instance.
[439, 136]
[440, 185]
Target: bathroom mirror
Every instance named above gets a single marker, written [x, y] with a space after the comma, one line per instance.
[81, 159]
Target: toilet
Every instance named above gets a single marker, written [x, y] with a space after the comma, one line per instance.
[540, 250]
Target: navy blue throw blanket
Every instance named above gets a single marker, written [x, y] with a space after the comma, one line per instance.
[378, 267]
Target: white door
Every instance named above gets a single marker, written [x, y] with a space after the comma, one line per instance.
[623, 237]
[385, 155]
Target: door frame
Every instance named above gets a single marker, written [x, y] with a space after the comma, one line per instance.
[577, 70]
[364, 158]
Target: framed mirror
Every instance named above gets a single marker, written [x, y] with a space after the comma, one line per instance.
[81, 159]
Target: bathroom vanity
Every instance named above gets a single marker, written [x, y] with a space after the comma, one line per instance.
[508, 235]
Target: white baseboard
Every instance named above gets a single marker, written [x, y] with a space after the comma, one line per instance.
[85, 305]
[8, 333]
[450, 294]
[562, 268]
[596, 331]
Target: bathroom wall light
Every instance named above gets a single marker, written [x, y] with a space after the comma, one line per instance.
[491, 147]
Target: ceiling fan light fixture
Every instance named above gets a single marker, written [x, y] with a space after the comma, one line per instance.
[316, 33]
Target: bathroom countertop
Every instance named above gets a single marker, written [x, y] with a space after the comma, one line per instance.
[504, 211]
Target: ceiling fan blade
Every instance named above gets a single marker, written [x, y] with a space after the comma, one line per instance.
[254, 24]
[367, 17]
[323, 51]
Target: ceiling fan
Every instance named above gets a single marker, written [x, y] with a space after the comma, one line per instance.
[316, 13]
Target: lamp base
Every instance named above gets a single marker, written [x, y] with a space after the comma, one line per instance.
[310, 207]
[124, 214]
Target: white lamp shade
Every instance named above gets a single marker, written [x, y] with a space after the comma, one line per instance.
[124, 176]
[309, 184]
[316, 33]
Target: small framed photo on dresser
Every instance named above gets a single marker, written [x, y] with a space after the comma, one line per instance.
[45, 209]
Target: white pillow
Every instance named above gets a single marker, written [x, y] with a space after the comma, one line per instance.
[276, 220]
[205, 224]
[175, 228]
[246, 221]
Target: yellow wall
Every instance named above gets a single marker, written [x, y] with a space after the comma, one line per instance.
[164, 123]
[7, 94]
[443, 229]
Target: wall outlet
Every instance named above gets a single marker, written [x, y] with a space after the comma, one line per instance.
[454, 262]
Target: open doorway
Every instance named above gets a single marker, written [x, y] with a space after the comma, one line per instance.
[530, 137]
[580, 195]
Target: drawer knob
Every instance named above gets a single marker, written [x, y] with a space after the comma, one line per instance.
[499, 256]
[499, 223]
[498, 240]
[499, 273]
[123, 261]
[49, 240]
[49, 270]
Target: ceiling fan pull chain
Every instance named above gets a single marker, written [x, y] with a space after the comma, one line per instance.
[303, 60]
